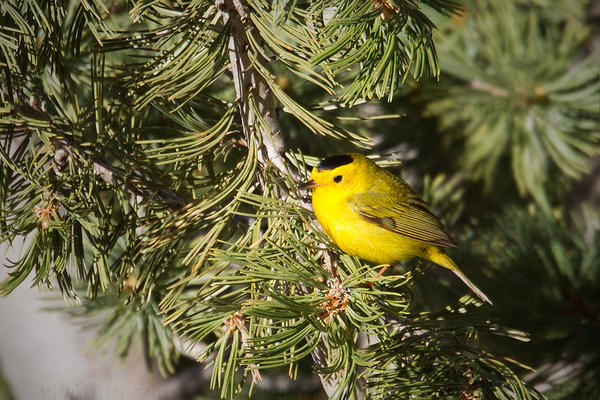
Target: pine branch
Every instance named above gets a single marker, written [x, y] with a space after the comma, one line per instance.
[517, 98]
[249, 84]
[114, 176]
[239, 270]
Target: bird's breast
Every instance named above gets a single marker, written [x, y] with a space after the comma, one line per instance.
[358, 237]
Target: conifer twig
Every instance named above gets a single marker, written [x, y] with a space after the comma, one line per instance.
[249, 82]
[112, 175]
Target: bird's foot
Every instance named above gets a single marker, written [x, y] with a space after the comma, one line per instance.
[369, 284]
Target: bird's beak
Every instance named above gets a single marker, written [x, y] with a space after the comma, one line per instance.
[310, 184]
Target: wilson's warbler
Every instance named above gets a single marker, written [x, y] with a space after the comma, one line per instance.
[372, 214]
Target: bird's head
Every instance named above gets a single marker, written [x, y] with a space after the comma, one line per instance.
[341, 175]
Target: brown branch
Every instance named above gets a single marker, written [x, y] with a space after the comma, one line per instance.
[63, 149]
[249, 83]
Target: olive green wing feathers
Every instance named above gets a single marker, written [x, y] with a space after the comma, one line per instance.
[405, 215]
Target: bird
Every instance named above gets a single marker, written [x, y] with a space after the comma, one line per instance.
[370, 213]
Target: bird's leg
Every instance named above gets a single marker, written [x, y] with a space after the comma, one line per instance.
[381, 271]
[330, 263]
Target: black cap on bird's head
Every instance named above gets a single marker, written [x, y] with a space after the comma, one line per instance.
[334, 161]
[328, 164]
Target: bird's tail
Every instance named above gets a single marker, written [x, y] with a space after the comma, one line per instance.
[442, 259]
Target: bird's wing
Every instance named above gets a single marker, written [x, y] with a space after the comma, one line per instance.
[409, 216]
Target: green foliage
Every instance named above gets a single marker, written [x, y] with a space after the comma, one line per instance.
[512, 92]
[422, 368]
[144, 154]
[123, 324]
[565, 253]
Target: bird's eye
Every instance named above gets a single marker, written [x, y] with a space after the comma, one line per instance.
[337, 178]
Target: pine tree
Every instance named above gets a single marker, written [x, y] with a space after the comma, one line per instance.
[152, 152]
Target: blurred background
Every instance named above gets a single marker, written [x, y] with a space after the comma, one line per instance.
[505, 149]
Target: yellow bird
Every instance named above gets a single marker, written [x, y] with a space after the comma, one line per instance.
[372, 214]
